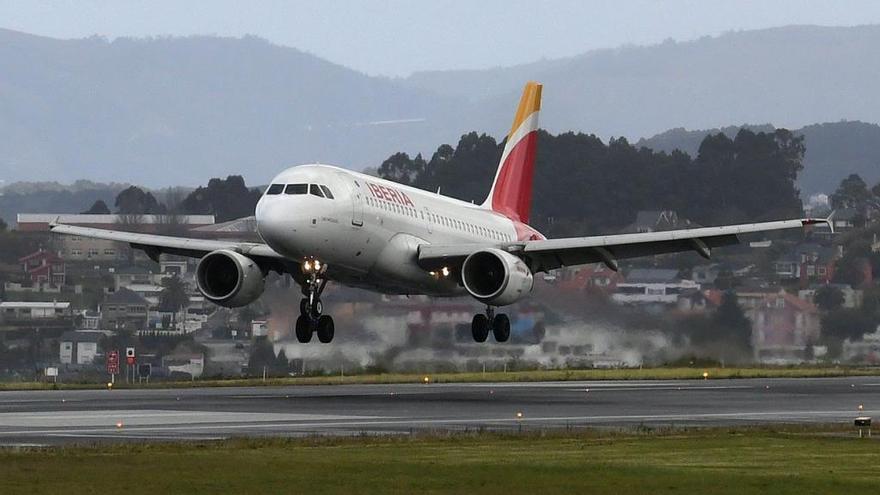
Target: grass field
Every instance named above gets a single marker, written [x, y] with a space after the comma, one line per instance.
[715, 461]
[495, 376]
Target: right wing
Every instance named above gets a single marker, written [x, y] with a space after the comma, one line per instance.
[545, 255]
[154, 245]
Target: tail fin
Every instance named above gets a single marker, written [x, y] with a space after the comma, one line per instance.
[511, 192]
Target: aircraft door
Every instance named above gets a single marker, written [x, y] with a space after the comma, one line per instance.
[428, 221]
[357, 202]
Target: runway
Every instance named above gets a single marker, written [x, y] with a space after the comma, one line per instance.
[85, 416]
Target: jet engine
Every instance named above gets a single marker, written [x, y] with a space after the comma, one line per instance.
[496, 277]
[229, 279]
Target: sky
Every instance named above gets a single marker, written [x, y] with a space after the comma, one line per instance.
[397, 37]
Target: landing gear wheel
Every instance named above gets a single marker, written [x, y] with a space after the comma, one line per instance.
[303, 329]
[304, 307]
[480, 328]
[501, 327]
[326, 329]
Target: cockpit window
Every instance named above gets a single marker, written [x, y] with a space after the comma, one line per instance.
[314, 190]
[327, 192]
[297, 189]
[275, 189]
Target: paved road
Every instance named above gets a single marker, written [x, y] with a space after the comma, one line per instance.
[52, 417]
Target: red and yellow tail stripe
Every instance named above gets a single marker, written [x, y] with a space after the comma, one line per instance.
[511, 192]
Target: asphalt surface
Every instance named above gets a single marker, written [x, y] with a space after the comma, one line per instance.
[86, 416]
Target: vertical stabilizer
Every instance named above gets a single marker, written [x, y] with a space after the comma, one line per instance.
[511, 192]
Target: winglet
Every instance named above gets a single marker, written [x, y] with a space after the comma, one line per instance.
[814, 221]
[54, 223]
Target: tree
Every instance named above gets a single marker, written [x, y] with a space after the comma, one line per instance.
[3, 226]
[173, 297]
[226, 199]
[842, 324]
[134, 201]
[263, 357]
[828, 298]
[99, 207]
[729, 317]
[854, 267]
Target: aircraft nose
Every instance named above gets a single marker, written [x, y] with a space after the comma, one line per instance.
[270, 220]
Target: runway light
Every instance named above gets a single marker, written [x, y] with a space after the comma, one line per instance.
[426, 379]
[861, 407]
[109, 385]
[119, 424]
[705, 375]
[519, 415]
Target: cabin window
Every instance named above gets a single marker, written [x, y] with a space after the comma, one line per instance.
[275, 189]
[314, 190]
[297, 189]
[327, 193]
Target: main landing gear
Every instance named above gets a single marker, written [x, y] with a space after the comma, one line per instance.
[499, 325]
[311, 320]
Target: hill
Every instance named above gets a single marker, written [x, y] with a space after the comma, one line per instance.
[178, 110]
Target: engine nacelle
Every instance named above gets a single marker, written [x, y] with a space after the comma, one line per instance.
[229, 279]
[496, 277]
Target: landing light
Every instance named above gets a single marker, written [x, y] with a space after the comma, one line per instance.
[445, 271]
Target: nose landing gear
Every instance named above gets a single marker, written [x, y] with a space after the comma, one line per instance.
[311, 320]
[499, 325]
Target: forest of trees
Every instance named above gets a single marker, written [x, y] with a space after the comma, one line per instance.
[226, 199]
[583, 185]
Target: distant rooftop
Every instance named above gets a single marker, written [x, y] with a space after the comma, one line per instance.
[652, 275]
[73, 218]
[34, 305]
[79, 336]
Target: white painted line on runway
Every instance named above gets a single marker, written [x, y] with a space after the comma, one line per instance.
[653, 389]
[62, 419]
[286, 426]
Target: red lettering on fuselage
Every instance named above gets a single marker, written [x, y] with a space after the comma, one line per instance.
[390, 194]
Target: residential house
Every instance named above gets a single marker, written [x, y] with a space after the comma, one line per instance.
[124, 309]
[656, 221]
[783, 325]
[77, 248]
[133, 275]
[654, 288]
[33, 311]
[44, 267]
[79, 347]
[807, 263]
[595, 276]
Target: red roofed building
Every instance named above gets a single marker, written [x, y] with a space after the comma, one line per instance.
[590, 277]
[782, 326]
[44, 267]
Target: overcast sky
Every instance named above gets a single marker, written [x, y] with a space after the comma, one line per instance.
[397, 37]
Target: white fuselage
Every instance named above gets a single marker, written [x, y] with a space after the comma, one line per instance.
[368, 233]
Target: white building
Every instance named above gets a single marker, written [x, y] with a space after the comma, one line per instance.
[20, 310]
[79, 347]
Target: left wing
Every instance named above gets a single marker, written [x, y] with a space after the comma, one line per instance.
[154, 245]
[545, 255]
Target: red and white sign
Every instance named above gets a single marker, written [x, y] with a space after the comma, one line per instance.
[129, 355]
[113, 362]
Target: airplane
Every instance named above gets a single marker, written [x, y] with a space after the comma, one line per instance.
[322, 223]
